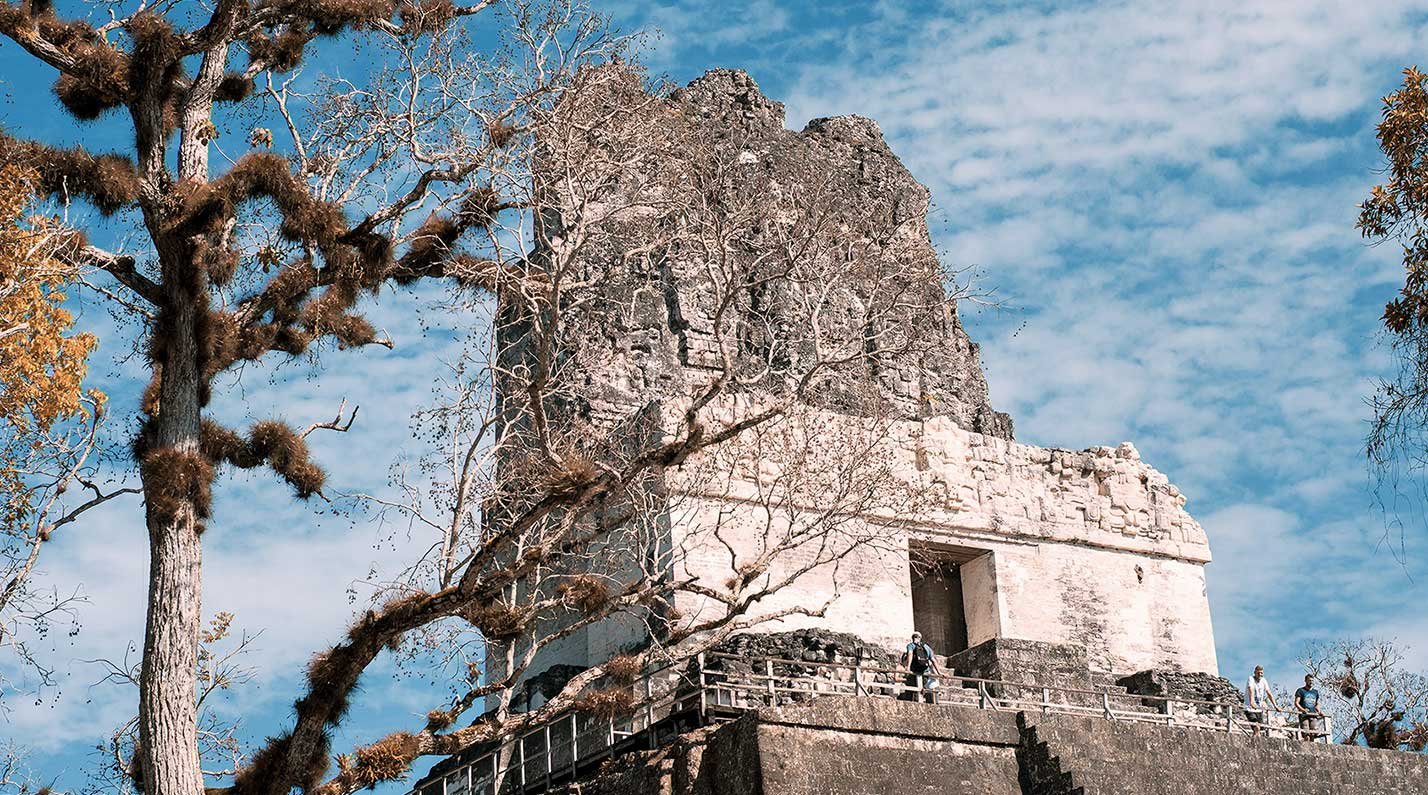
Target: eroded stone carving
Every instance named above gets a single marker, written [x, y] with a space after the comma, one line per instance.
[651, 309]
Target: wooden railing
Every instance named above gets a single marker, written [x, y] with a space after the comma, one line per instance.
[722, 686]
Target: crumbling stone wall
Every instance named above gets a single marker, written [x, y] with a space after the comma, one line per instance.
[814, 644]
[646, 325]
[1027, 662]
[1195, 685]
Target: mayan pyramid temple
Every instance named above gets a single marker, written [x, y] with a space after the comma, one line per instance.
[1062, 591]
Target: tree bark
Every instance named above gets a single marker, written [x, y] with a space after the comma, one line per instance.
[168, 720]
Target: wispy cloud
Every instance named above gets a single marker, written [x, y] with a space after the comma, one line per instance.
[1165, 193]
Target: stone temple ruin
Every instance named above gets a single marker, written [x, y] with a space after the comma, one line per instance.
[1078, 570]
[1090, 549]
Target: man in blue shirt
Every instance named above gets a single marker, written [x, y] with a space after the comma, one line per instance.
[920, 660]
[1311, 719]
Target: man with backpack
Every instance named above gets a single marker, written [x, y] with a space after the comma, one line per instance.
[922, 663]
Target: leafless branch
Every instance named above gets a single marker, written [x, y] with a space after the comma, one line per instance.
[336, 424]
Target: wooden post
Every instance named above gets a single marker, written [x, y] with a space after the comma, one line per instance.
[1045, 700]
[983, 697]
[649, 713]
[521, 760]
[574, 746]
[703, 692]
[768, 669]
[548, 760]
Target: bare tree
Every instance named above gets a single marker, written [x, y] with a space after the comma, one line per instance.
[535, 175]
[15, 777]
[49, 422]
[1369, 695]
[554, 490]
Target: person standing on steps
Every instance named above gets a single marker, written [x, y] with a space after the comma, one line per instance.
[1257, 695]
[1311, 719]
[921, 662]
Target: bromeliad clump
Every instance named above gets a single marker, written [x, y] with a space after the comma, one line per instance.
[606, 704]
[269, 442]
[385, 760]
[587, 593]
[176, 480]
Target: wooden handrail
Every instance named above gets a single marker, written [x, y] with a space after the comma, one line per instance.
[975, 681]
[691, 689]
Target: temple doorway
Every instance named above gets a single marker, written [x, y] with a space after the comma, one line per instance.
[939, 603]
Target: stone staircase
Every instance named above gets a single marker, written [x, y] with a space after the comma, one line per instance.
[1040, 769]
[1069, 755]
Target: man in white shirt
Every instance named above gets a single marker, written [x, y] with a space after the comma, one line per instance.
[1257, 695]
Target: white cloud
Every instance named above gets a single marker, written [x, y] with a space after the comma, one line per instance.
[1166, 192]
[1277, 584]
[1119, 170]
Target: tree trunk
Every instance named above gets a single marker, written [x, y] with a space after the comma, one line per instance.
[168, 720]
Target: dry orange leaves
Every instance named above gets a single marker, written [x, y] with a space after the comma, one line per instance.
[42, 365]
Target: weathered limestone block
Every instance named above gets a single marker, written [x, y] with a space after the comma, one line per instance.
[1179, 684]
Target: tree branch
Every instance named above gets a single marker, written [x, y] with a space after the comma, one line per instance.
[120, 266]
[336, 424]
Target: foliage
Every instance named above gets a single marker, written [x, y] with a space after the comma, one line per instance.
[48, 420]
[40, 367]
[1369, 694]
[42, 364]
[1397, 210]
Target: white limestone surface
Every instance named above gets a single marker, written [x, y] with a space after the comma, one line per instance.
[1091, 547]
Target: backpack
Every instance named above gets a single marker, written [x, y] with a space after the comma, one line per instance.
[921, 655]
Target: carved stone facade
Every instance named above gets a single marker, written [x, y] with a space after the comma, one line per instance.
[1090, 548]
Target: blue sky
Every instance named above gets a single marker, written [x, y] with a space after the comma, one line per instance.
[1162, 194]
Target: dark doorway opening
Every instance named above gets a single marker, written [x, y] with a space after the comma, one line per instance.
[937, 607]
